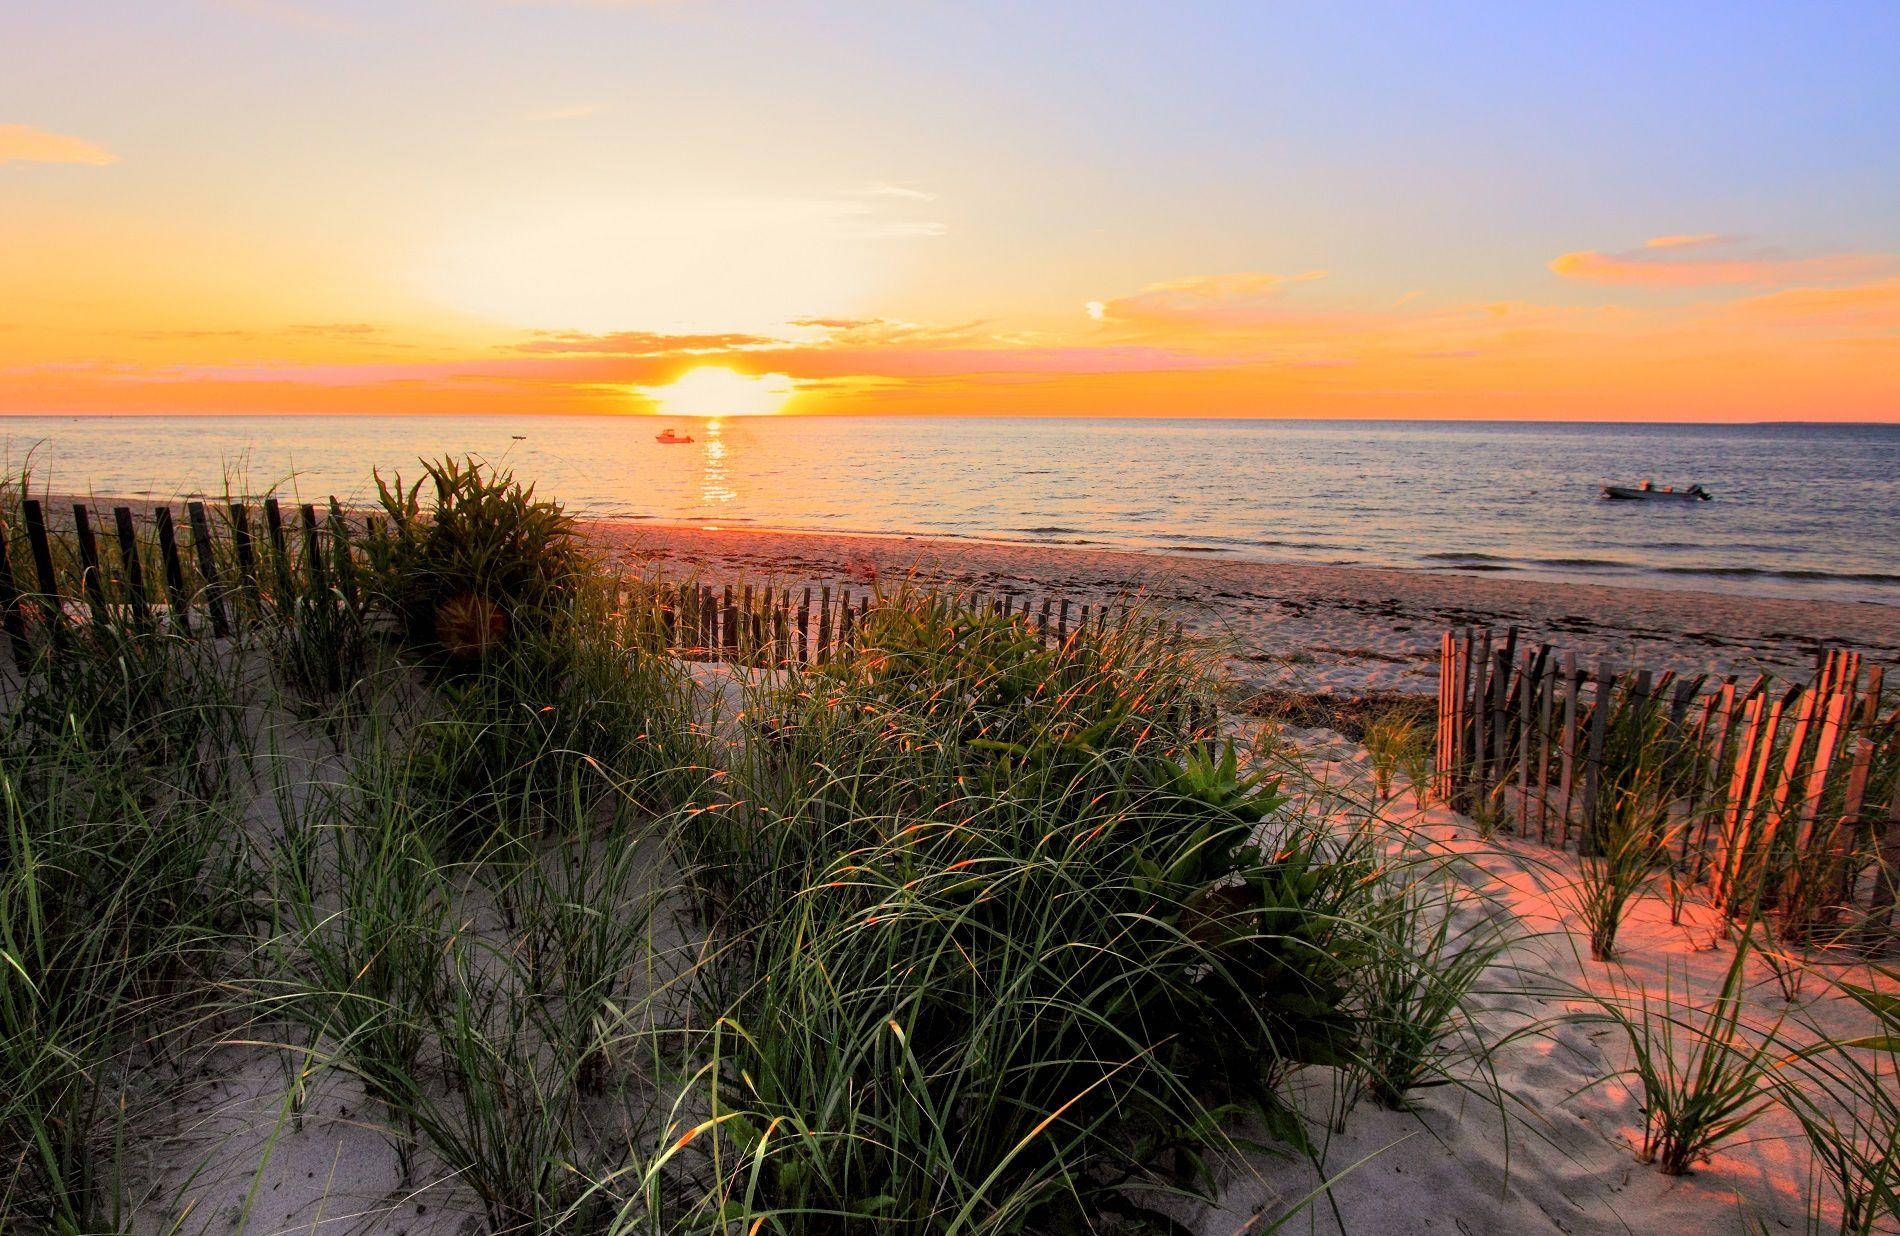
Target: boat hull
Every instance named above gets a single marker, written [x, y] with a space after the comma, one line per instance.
[1625, 493]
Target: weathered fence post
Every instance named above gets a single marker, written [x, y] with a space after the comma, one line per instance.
[313, 552]
[208, 567]
[89, 573]
[177, 600]
[280, 551]
[1589, 835]
[1546, 703]
[246, 555]
[340, 552]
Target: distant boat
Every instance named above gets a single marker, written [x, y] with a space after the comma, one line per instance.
[1647, 492]
[669, 437]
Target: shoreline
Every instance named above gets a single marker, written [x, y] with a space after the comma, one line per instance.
[1280, 625]
[1294, 625]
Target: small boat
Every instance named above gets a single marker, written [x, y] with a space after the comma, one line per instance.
[1647, 492]
[669, 437]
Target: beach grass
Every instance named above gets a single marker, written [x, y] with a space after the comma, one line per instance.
[962, 929]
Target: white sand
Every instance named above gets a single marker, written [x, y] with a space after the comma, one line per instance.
[1541, 1142]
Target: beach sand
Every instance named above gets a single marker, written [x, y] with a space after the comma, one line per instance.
[1298, 626]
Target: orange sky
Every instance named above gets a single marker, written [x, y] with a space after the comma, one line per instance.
[294, 224]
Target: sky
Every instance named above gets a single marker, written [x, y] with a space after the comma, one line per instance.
[1036, 207]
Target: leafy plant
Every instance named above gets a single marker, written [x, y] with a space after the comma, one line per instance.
[482, 565]
[112, 902]
[1398, 744]
[1846, 1094]
[1414, 989]
[1631, 843]
[1698, 1093]
[1004, 941]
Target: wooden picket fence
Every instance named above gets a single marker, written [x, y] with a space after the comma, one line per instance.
[219, 569]
[1735, 777]
[227, 565]
[776, 625]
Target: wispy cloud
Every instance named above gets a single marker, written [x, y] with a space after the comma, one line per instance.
[642, 343]
[1241, 299]
[1709, 260]
[903, 191]
[20, 143]
[336, 330]
[1687, 240]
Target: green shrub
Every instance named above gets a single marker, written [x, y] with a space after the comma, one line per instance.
[483, 565]
[1002, 941]
[489, 755]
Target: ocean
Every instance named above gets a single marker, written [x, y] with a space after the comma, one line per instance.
[1802, 510]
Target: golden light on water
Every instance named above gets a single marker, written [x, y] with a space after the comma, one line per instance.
[712, 390]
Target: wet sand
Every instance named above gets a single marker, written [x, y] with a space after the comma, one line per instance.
[1298, 626]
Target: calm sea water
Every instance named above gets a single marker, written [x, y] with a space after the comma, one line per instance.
[1802, 510]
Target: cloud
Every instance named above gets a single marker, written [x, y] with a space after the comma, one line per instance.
[1710, 260]
[835, 323]
[903, 191]
[1687, 240]
[642, 343]
[1867, 306]
[335, 330]
[1242, 299]
[25, 144]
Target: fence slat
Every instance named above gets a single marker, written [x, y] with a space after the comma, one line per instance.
[1715, 729]
[177, 600]
[280, 551]
[208, 567]
[1568, 749]
[1745, 837]
[246, 552]
[340, 553]
[41, 547]
[318, 578]
[1600, 706]
[1805, 717]
[131, 570]
[1546, 704]
[89, 574]
[1480, 707]
[1441, 756]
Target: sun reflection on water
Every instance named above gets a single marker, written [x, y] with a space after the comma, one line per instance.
[715, 487]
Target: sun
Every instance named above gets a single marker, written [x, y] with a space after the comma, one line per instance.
[711, 390]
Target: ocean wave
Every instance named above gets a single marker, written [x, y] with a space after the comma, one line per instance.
[1473, 561]
[1806, 574]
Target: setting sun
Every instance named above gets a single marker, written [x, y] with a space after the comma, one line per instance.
[714, 391]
